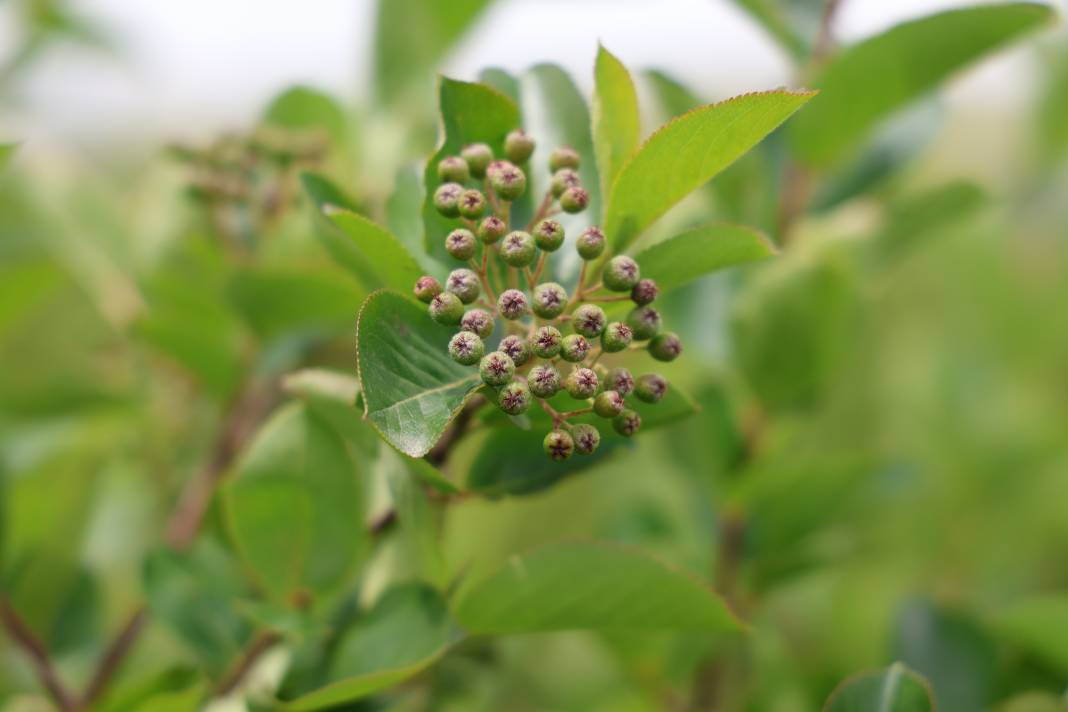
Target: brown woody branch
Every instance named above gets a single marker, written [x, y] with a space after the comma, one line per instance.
[35, 650]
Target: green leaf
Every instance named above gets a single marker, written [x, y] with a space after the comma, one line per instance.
[405, 220]
[323, 383]
[295, 507]
[412, 389]
[279, 302]
[1040, 626]
[7, 150]
[408, 629]
[1052, 128]
[306, 108]
[895, 689]
[688, 151]
[502, 81]
[616, 122]
[703, 250]
[912, 221]
[775, 22]
[470, 113]
[867, 82]
[576, 586]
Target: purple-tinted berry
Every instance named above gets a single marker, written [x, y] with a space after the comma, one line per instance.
[546, 342]
[564, 157]
[549, 300]
[620, 381]
[650, 388]
[586, 437]
[590, 244]
[544, 380]
[426, 288]
[644, 292]
[665, 347]
[478, 157]
[466, 348]
[472, 204]
[517, 249]
[464, 284]
[582, 383]
[562, 180]
[453, 169]
[589, 320]
[559, 445]
[549, 235]
[517, 348]
[518, 146]
[477, 321]
[644, 322]
[507, 180]
[512, 304]
[574, 200]
[447, 199]
[491, 229]
[446, 308]
[616, 337]
[496, 369]
[621, 273]
[574, 348]
[608, 404]
[627, 422]
[460, 244]
[514, 398]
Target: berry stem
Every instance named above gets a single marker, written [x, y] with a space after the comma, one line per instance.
[576, 413]
[481, 272]
[619, 298]
[491, 196]
[558, 417]
[544, 210]
[533, 279]
[596, 357]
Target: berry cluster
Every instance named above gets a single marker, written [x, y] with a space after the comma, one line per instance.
[526, 366]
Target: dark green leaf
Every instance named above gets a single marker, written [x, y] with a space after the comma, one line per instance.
[616, 122]
[865, 83]
[688, 151]
[917, 218]
[278, 302]
[896, 689]
[703, 250]
[576, 586]
[502, 81]
[412, 389]
[1040, 626]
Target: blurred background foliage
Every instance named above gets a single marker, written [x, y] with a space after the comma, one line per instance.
[878, 471]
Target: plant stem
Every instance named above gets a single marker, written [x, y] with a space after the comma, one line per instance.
[36, 651]
[614, 298]
[112, 659]
[543, 211]
[263, 642]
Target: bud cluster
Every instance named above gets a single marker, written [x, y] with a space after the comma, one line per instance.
[551, 340]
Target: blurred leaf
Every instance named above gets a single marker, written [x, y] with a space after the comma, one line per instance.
[294, 506]
[575, 586]
[950, 651]
[412, 36]
[702, 251]
[512, 461]
[771, 16]
[418, 526]
[1039, 625]
[865, 83]
[470, 113]
[188, 700]
[1034, 702]
[717, 440]
[412, 389]
[278, 302]
[407, 631]
[404, 219]
[320, 382]
[616, 121]
[7, 150]
[502, 81]
[193, 593]
[333, 397]
[322, 192]
[1053, 107]
[164, 688]
[688, 151]
[306, 108]
[896, 689]
[917, 218]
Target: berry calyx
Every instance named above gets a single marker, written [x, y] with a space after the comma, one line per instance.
[466, 348]
[665, 347]
[616, 337]
[464, 284]
[518, 146]
[512, 304]
[514, 398]
[472, 204]
[507, 180]
[650, 388]
[517, 348]
[559, 445]
[446, 308]
[460, 243]
[620, 381]
[574, 348]
[562, 180]
[587, 438]
[426, 288]
[549, 300]
[644, 322]
[496, 369]
[564, 157]
[517, 249]
[627, 423]
[447, 199]
[546, 343]
[549, 235]
[590, 244]
[477, 321]
[453, 169]
[544, 380]
[644, 292]
[491, 229]
[589, 320]
[608, 404]
[574, 200]
[478, 156]
[581, 383]
[621, 273]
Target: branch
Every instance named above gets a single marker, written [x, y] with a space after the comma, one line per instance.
[23, 637]
[112, 660]
[233, 679]
[440, 452]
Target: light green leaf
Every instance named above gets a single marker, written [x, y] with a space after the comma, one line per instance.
[695, 253]
[1052, 128]
[470, 113]
[688, 151]
[1040, 626]
[407, 631]
[776, 23]
[7, 150]
[305, 108]
[412, 389]
[895, 689]
[576, 586]
[616, 121]
[295, 507]
[916, 218]
[867, 82]
[322, 383]
[278, 302]
[502, 81]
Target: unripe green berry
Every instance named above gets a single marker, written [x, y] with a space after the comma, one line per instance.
[518, 249]
[544, 380]
[472, 204]
[562, 180]
[426, 288]
[650, 388]
[549, 235]
[478, 157]
[466, 348]
[478, 321]
[644, 292]
[453, 169]
[644, 322]
[627, 423]
[496, 369]
[665, 347]
[517, 348]
[507, 180]
[621, 273]
[546, 342]
[564, 157]
[582, 383]
[608, 404]
[464, 284]
[586, 438]
[574, 348]
[589, 320]
[549, 300]
[446, 308]
[620, 381]
[460, 243]
[616, 337]
[514, 398]
[518, 146]
[491, 229]
[559, 445]
[590, 244]
[574, 200]
[512, 304]
[447, 199]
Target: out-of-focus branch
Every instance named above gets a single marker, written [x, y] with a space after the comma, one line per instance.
[35, 650]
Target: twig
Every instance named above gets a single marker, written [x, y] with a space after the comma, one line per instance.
[113, 657]
[615, 298]
[441, 450]
[263, 642]
[543, 210]
[22, 636]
